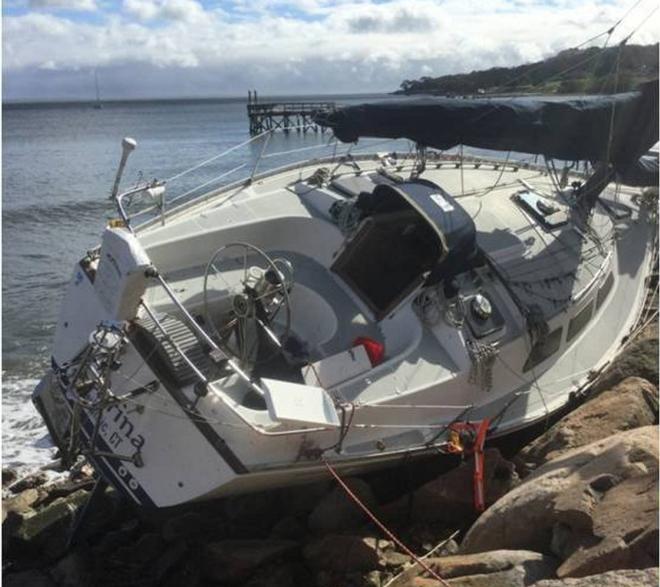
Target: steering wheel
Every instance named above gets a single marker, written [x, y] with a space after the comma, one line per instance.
[255, 288]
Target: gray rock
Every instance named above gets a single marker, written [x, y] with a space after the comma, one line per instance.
[143, 551]
[9, 475]
[32, 578]
[20, 503]
[451, 547]
[189, 574]
[168, 559]
[393, 559]
[33, 524]
[510, 568]
[236, 560]
[336, 512]
[300, 500]
[595, 507]
[114, 539]
[258, 507]
[373, 579]
[72, 571]
[620, 578]
[28, 482]
[288, 528]
[347, 553]
[515, 577]
[449, 497]
[69, 486]
[281, 575]
[630, 404]
[185, 525]
[638, 359]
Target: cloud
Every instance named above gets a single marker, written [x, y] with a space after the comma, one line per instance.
[403, 21]
[174, 47]
[73, 5]
[175, 10]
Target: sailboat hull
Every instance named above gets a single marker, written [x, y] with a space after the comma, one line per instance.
[162, 439]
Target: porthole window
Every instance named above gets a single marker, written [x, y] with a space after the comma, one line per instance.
[604, 291]
[578, 322]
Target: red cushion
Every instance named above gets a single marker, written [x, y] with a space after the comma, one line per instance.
[375, 350]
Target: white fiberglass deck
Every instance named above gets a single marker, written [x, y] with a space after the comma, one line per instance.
[585, 282]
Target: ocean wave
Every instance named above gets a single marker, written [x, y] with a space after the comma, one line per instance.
[49, 212]
[26, 444]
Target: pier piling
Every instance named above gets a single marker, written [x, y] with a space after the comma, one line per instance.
[284, 116]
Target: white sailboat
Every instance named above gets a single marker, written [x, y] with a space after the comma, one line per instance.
[351, 309]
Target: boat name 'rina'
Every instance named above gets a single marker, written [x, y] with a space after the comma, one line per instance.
[123, 431]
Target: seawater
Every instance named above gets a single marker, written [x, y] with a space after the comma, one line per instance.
[58, 166]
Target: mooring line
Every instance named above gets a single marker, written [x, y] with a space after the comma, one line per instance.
[382, 526]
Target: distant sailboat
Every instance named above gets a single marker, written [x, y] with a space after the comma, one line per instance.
[97, 105]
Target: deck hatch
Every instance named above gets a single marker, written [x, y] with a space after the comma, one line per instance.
[409, 233]
[548, 213]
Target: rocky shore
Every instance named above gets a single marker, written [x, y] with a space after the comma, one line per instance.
[577, 506]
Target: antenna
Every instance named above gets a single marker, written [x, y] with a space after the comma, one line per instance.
[127, 145]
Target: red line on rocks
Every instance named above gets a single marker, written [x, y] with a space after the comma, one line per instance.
[378, 523]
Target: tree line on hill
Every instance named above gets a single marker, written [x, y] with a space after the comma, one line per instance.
[573, 71]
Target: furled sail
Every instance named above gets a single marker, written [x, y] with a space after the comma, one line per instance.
[617, 128]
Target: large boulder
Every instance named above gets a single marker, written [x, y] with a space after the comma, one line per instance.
[30, 578]
[233, 561]
[505, 568]
[28, 524]
[346, 553]
[595, 507]
[630, 404]
[183, 526]
[449, 497]
[638, 359]
[337, 512]
[72, 571]
[28, 482]
[280, 575]
[300, 500]
[20, 503]
[620, 578]
[9, 476]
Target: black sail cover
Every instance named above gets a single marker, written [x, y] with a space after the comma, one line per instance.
[618, 127]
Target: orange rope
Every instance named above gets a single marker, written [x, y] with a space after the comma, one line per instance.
[378, 523]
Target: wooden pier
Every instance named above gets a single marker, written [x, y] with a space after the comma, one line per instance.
[284, 116]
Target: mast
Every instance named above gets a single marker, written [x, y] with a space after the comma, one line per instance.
[98, 104]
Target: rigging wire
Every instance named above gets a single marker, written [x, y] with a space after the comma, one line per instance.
[206, 183]
[211, 159]
[607, 32]
[300, 150]
[635, 5]
[646, 19]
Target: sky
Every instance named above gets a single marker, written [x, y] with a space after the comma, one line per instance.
[209, 48]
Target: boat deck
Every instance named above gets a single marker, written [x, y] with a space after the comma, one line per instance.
[557, 270]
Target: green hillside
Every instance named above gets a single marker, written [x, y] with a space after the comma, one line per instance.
[574, 71]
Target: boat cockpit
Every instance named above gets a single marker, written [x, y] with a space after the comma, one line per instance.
[299, 302]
